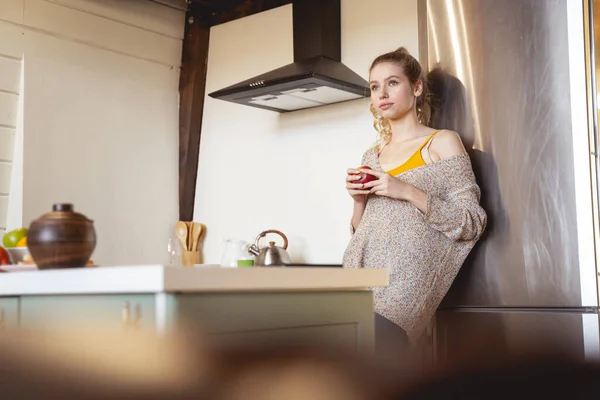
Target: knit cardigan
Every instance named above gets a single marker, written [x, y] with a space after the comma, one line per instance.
[422, 252]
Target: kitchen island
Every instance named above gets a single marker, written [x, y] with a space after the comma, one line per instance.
[258, 305]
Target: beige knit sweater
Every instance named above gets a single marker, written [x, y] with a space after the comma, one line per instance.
[422, 252]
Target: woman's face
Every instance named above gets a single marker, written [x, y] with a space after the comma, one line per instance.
[392, 94]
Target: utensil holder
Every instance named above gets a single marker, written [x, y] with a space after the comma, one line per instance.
[190, 257]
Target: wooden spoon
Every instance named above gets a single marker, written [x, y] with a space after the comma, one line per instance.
[190, 226]
[196, 233]
[181, 230]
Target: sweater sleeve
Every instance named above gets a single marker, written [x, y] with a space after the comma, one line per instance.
[363, 161]
[458, 215]
[455, 211]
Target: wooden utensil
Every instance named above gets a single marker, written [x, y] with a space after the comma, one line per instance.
[202, 228]
[181, 230]
[190, 226]
[196, 233]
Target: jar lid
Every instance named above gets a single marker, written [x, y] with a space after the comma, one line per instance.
[64, 211]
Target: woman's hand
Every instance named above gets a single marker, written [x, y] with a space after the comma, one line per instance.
[358, 191]
[388, 185]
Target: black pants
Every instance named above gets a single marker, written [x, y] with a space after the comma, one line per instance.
[391, 342]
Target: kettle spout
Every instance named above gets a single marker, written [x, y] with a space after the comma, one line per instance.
[254, 250]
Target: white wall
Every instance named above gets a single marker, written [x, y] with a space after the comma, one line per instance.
[261, 170]
[14, 208]
[10, 90]
[100, 116]
[9, 100]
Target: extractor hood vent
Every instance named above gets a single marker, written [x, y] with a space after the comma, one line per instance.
[315, 78]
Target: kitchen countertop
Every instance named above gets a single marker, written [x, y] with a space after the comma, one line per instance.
[205, 278]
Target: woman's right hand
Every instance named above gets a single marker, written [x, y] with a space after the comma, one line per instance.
[356, 190]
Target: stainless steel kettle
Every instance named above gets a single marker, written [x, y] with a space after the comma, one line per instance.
[271, 254]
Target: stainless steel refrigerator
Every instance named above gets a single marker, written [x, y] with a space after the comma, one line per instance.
[516, 79]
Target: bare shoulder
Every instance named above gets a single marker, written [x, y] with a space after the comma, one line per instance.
[446, 143]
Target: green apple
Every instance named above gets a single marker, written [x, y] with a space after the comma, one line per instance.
[12, 238]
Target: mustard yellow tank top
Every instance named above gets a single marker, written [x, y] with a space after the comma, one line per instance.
[416, 160]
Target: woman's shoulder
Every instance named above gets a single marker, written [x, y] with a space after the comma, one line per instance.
[369, 155]
[446, 143]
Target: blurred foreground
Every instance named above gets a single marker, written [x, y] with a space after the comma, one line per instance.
[134, 365]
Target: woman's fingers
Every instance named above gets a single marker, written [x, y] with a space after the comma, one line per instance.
[359, 186]
[356, 189]
[376, 174]
[367, 185]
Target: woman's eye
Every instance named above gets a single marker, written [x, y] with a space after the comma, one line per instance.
[393, 83]
[374, 87]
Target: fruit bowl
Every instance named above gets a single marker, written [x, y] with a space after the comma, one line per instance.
[17, 254]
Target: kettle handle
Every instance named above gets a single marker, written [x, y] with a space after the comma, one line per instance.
[285, 240]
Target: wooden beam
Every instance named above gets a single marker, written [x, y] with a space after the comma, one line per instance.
[192, 84]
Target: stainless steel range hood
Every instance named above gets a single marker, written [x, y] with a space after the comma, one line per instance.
[315, 78]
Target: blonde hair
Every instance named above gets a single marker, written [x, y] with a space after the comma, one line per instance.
[414, 72]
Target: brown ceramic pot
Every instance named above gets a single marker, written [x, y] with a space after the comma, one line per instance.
[62, 238]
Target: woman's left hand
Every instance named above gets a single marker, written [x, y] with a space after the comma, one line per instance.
[388, 185]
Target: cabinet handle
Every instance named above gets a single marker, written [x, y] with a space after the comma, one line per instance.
[126, 316]
[125, 313]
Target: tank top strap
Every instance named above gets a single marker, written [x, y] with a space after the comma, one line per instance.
[428, 141]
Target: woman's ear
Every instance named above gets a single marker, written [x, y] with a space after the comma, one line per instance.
[418, 89]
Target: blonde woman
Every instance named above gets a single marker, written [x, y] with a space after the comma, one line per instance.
[420, 216]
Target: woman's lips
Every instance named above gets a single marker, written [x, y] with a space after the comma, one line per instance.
[385, 106]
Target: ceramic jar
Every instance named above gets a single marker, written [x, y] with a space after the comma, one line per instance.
[61, 238]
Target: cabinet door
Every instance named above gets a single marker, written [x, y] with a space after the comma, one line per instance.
[343, 318]
[9, 313]
[103, 312]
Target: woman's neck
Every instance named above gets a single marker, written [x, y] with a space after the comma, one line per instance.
[405, 128]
